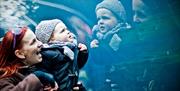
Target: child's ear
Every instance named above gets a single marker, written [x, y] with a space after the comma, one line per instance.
[52, 38]
[19, 54]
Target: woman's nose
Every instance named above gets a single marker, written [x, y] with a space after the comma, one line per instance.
[136, 19]
[40, 44]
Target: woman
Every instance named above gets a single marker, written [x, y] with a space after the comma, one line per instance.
[19, 51]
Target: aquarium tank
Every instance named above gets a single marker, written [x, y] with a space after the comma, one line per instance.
[140, 53]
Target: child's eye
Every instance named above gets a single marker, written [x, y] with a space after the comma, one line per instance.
[62, 30]
[105, 17]
[98, 18]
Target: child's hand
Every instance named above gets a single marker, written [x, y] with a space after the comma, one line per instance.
[82, 47]
[94, 43]
[49, 88]
[79, 87]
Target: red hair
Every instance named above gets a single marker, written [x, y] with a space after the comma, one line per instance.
[9, 63]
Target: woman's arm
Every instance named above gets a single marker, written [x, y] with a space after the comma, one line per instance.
[29, 83]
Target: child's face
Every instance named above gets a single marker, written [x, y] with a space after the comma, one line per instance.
[106, 20]
[62, 34]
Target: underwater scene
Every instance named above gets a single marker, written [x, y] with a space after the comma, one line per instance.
[133, 45]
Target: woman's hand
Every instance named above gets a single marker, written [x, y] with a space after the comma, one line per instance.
[45, 78]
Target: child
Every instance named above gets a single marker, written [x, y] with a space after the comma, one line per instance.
[111, 19]
[61, 54]
[107, 40]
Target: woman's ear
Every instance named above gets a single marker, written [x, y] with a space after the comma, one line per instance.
[19, 54]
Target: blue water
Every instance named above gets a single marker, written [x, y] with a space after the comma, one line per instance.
[150, 54]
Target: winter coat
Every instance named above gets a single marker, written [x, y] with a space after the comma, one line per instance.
[20, 82]
[114, 46]
[64, 70]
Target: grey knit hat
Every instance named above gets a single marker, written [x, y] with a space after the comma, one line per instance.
[45, 29]
[115, 7]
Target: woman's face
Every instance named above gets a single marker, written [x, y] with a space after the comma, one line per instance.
[30, 48]
[106, 20]
[140, 11]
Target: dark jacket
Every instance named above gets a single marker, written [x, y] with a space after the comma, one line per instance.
[127, 46]
[20, 82]
[64, 69]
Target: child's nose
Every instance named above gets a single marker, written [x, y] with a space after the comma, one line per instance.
[100, 21]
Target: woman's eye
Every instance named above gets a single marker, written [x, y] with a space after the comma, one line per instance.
[33, 41]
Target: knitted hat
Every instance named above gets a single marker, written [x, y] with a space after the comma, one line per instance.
[115, 7]
[45, 29]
